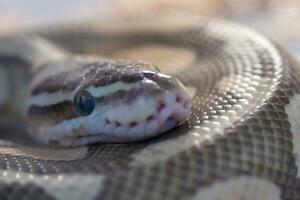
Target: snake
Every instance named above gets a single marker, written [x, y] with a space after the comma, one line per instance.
[149, 108]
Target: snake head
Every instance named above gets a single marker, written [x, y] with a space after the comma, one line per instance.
[106, 101]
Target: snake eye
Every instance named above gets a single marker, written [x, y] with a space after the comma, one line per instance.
[84, 102]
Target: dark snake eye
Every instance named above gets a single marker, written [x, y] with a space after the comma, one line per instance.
[84, 102]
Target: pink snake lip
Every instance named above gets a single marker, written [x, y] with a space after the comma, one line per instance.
[159, 110]
[171, 111]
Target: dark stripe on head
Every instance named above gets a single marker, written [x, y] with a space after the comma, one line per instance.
[53, 113]
[67, 79]
[12, 61]
[124, 95]
[59, 112]
[112, 98]
[85, 73]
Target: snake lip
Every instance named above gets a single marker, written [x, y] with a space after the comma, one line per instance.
[174, 107]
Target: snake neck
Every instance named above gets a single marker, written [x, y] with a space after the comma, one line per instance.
[20, 58]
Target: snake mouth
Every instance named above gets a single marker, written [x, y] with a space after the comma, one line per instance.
[170, 111]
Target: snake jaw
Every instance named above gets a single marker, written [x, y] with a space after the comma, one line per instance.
[132, 102]
[145, 115]
[172, 111]
[160, 120]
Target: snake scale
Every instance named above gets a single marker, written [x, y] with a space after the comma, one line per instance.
[241, 140]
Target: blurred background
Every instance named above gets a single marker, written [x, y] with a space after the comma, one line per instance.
[276, 18]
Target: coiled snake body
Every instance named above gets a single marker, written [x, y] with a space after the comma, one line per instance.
[240, 141]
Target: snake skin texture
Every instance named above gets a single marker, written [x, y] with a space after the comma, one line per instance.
[241, 142]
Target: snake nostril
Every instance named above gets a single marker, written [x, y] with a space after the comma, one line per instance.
[161, 106]
[107, 121]
[118, 123]
[132, 124]
[178, 99]
[150, 117]
[170, 118]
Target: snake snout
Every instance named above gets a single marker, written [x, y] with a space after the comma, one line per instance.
[173, 109]
[148, 110]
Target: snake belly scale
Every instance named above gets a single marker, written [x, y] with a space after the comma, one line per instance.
[241, 140]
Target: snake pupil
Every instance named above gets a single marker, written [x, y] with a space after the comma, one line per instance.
[84, 103]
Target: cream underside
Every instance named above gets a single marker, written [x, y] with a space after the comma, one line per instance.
[61, 187]
[241, 188]
[293, 111]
